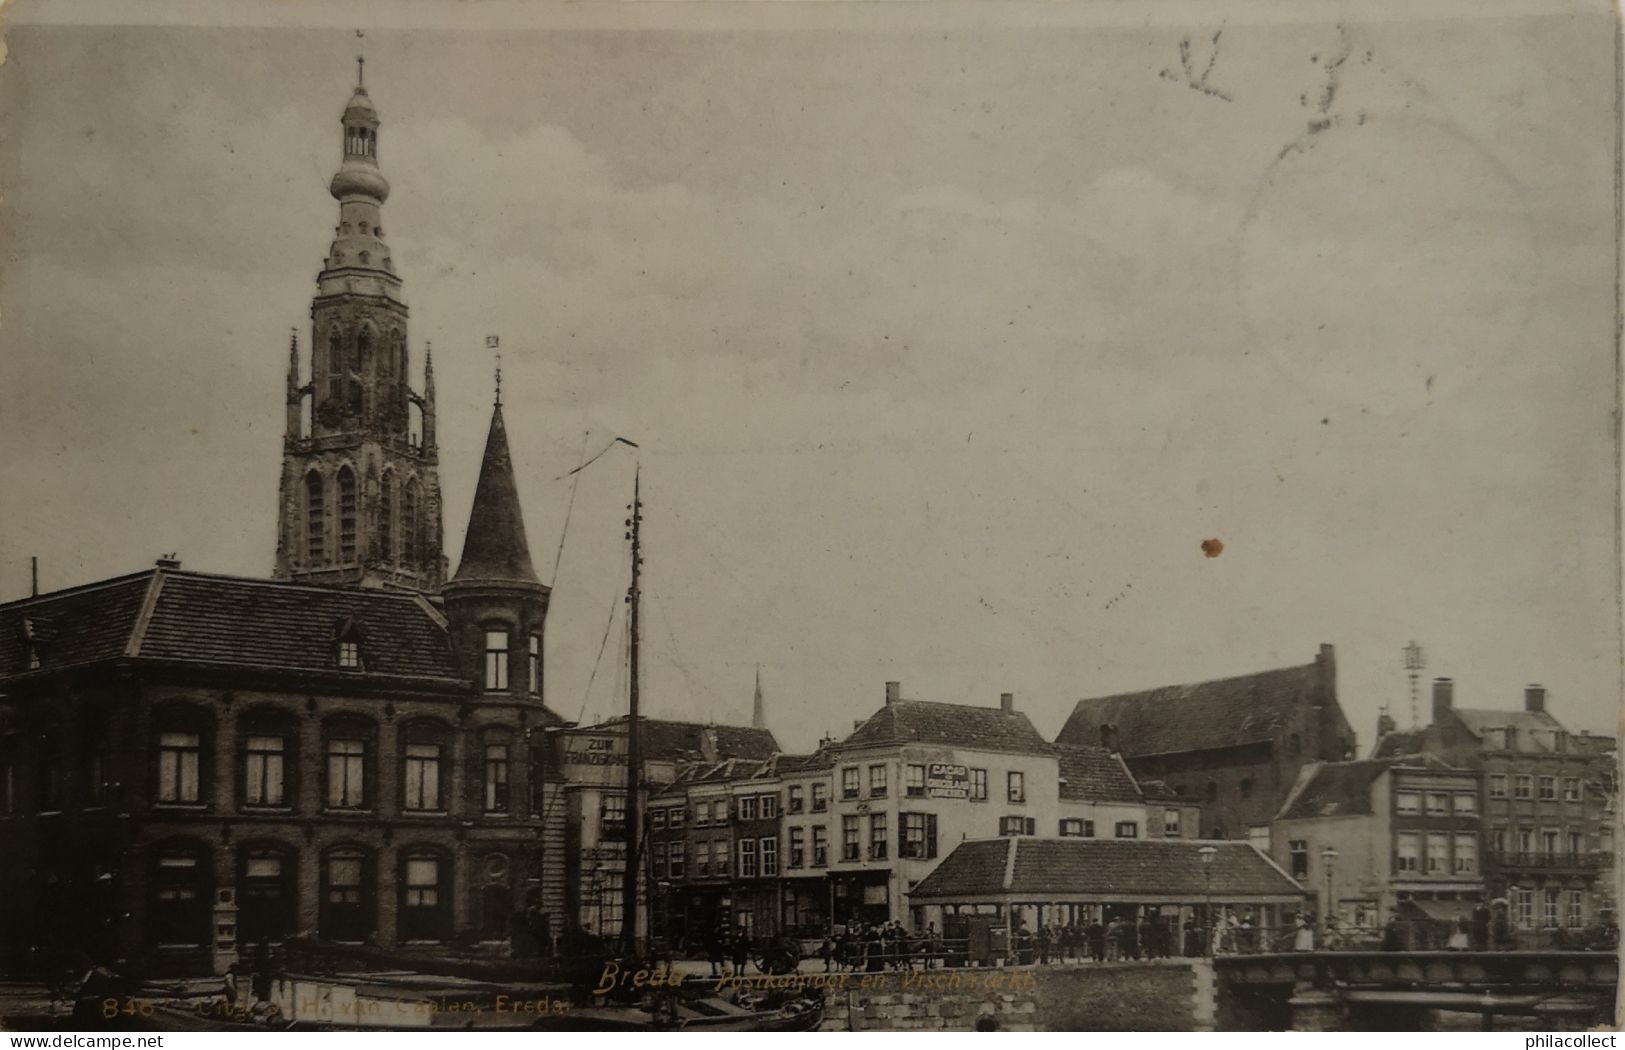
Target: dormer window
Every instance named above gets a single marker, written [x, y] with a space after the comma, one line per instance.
[496, 659]
[349, 638]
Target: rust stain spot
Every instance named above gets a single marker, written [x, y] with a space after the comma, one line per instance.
[1212, 548]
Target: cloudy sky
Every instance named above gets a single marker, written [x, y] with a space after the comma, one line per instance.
[948, 333]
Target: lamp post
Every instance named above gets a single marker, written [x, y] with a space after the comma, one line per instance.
[1328, 857]
[1207, 853]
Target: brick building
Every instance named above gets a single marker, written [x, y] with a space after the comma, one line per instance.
[352, 752]
[1233, 746]
[1549, 803]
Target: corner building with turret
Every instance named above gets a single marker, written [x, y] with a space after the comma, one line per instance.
[350, 754]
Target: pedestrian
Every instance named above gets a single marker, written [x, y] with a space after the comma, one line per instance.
[741, 946]
[1096, 933]
[1044, 938]
[1393, 934]
[1114, 940]
[874, 949]
[713, 949]
[1481, 927]
[1303, 938]
[1193, 938]
[1459, 937]
[827, 950]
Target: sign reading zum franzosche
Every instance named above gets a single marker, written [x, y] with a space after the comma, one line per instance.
[943, 780]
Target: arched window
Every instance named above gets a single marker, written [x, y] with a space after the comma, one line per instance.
[411, 527]
[267, 880]
[346, 515]
[315, 534]
[181, 891]
[335, 363]
[425, 747]
[496, 658]
[496, 904]
[386, 517]
[397, 352]
[349, 894]
[363, 351]
[267, 750]
[182, 736]
[350, 742]
[425, 881]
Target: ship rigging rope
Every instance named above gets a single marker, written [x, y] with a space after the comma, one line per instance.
[569, 508]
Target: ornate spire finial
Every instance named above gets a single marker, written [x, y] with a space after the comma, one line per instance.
[360, 71]
[494, 343]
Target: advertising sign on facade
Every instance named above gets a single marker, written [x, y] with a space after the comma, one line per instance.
[945, 780]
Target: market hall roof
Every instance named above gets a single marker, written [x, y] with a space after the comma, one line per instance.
[1026, 868]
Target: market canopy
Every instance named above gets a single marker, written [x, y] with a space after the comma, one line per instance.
[1105, 870]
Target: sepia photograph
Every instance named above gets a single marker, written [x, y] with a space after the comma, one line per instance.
[810, 516]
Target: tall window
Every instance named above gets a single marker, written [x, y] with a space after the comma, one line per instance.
[347, 745]
[612, 818]
[1407, 802]
[411, 527]
[181, 888]
[877, 836]
[915, 785]
[796, 798]
[1465, 803]
[820, 846]
[851, 844]
[315, 532]
[1548, 788]
[747, 808]
[1465, 860]
[496, 659]
[798, 847]
[1525, 900]
[386, 517]
[1497, 785]
[1576, 843]
[51, 781]
[346, 911]
[1548, 841]
[770, 857]
[1016, 786]
[1438, 804]
[919, 836]
[1407, 854]
[820, 796]
[849, 782]
[1438, 856]
[264, 771]
[1300, 858]
[421, 759]
[335, 364]
[1571, 789]
[535, 664]
[877, 781]
[978, 785]
[1523, 786]
[425, 897]
[769, 807]
[676, 864]
[1576, 909]
[1548, 911]
[179, 755]
[496, 778]
[347, 507]
[1170, 823]
[747, 858]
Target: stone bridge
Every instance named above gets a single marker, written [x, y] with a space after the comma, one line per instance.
[1320, 991]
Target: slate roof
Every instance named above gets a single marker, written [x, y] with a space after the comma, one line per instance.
[1060, 869]
[790, 764]
[495, 548]
[206, 620]
[662, 740]
[1094, 774]
[1536, 730]
[949, 725]
[1175, 718]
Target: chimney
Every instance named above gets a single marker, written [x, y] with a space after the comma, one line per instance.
[1108, 736]
[708, 744]
[1385, 724]
[1534, 698]
[168, 561]
[1007, 702]
[1444, 698]
[894, 692]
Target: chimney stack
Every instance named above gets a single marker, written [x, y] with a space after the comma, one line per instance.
[1444, 698]
[894, 692]
[1534, 698]
[1007, 702]
[168, 561]
[1385, 724]
[1108, 736]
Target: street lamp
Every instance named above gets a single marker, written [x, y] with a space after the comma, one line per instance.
[1207, 853]
[1328, 857]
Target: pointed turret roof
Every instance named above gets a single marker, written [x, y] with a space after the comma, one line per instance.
[495, 549]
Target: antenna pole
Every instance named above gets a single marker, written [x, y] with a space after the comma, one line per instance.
[634, 823]
[33, 571]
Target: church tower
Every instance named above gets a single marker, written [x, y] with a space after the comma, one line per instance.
[360, 496]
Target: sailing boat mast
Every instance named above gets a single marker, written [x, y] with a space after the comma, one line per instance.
[634, 822]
